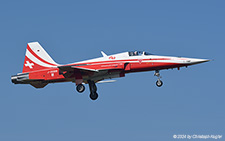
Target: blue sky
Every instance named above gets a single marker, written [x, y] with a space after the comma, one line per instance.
[191, 100]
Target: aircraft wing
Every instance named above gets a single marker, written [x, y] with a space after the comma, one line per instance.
[93, 67]
[71, 68]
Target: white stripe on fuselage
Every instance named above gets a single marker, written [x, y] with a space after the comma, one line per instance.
[138, 59]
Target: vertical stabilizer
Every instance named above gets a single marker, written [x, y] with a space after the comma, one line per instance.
[37, 58]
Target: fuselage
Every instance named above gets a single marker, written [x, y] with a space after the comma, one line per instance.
[140, 62]
[113, 66]
[40, 69]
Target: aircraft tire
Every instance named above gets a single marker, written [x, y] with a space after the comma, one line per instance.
[159, 83]
[94, 96]
[80, 88]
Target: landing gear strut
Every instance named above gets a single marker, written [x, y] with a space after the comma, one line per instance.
[80, 88]
[93, 89]
[159, 83]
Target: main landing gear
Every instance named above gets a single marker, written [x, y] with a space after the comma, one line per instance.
[159, 82]
[93, 89]
[80, 88]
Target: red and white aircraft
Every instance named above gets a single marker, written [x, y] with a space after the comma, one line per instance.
[40, 69]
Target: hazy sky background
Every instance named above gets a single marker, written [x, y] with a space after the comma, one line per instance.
[191, 100]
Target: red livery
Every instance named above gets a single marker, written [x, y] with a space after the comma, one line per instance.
[40, 69]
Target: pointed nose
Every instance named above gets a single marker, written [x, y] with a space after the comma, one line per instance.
[193, 61]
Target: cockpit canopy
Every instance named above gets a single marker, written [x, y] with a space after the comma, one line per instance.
[138, 53]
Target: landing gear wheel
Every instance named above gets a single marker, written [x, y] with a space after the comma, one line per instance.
[94, 96]
[80, 88]
[159, 83]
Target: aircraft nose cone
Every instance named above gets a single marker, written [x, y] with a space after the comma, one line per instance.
[196, 61]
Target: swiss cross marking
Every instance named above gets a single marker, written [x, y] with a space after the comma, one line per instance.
[30, 65]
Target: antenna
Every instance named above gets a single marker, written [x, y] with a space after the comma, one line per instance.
[103, 54]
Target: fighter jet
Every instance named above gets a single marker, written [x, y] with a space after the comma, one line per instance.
[40, 69]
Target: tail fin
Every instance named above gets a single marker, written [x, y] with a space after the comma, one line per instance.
[37, 58]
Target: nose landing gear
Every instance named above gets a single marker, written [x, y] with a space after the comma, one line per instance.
[159, 82]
